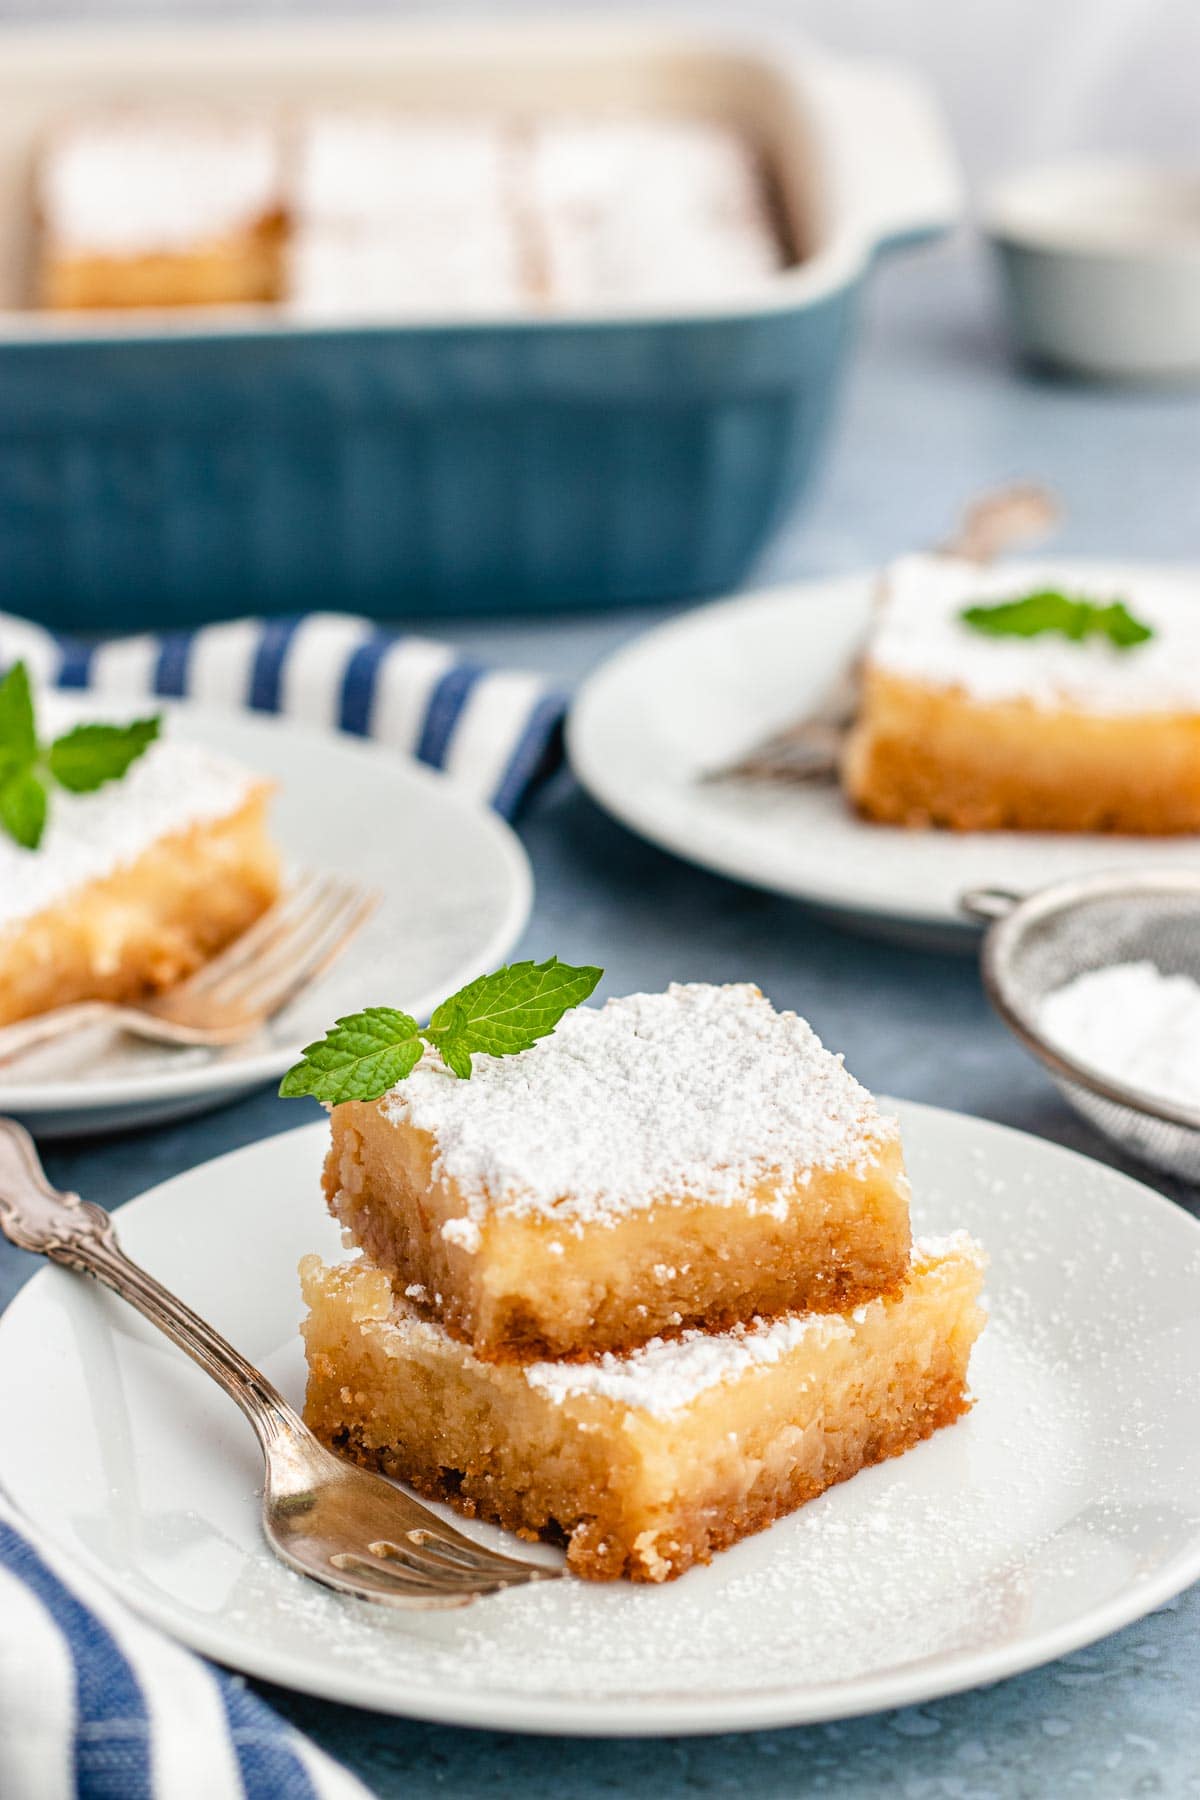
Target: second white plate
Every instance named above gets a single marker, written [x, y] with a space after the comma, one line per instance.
[456, 891]
[1066, 1504]
[696, 693]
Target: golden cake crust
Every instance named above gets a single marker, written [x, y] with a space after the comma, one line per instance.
[242, 270]
[933, 756]
[595, 1554]
[643, 1477]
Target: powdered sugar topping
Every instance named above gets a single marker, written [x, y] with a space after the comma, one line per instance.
[920, 636]
[700, 1092]
[372, 168]
[455, 267]
[656, 207]
[128, 183]
[90, 836]
[666, 1374]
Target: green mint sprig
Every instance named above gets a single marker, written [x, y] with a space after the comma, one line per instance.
[369, 1052]
[1049, 610]
[81, 760]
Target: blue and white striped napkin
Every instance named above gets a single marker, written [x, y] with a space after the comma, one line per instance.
[95, 1705]
[495, 732]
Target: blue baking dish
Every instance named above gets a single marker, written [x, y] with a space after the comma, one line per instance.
[176, 469]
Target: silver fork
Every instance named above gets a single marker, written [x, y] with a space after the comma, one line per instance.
[234, 994]
[341, 1525]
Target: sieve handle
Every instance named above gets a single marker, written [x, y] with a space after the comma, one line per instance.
[989, 904]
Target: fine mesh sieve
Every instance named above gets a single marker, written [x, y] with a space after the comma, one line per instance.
[1037, 943]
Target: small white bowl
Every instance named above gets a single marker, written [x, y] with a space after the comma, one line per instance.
[1102, 266]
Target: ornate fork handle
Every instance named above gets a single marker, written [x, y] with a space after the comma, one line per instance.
[77, 1233]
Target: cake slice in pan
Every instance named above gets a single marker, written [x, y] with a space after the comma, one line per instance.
[448, 269]
[650, 210]
[959, 727]
[685, 1158]
[159, 206]
[649, 1462]
[406, 216]
[136, 884]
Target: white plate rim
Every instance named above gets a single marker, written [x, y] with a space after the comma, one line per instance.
[636, 807]
[193, 1082]
[701, 1714]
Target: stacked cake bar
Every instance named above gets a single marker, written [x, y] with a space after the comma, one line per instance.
[642, 1288]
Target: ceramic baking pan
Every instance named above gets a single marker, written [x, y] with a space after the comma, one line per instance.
[161, 468]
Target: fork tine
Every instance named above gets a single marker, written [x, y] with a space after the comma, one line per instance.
[426, 1560]
[322, 899]
[471, 1555]
[257, 937]
[324, 905]
[375, 1582]
[377, 1571]
[294, 963]
[233, 982]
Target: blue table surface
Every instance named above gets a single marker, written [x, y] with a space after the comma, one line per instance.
[934, 410]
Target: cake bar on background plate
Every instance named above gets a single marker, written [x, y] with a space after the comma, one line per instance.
[650, 1462]
[159, 207]
[961, 728]
[667, 1160]
[134, 885]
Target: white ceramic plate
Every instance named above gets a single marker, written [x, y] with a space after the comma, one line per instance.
[456, 893]
[1066, 1504]
[696, 693]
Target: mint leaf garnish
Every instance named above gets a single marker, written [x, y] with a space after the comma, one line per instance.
[457, 1059]
[23, 808]
[1122, 628]
[18, 732]
[363, 1056]
[84, 759]
[1050, 610]
[80, 760]
[500, 1014]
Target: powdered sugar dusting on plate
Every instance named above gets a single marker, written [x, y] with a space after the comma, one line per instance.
[919, 635]
[90, 836]
[700, 1092]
